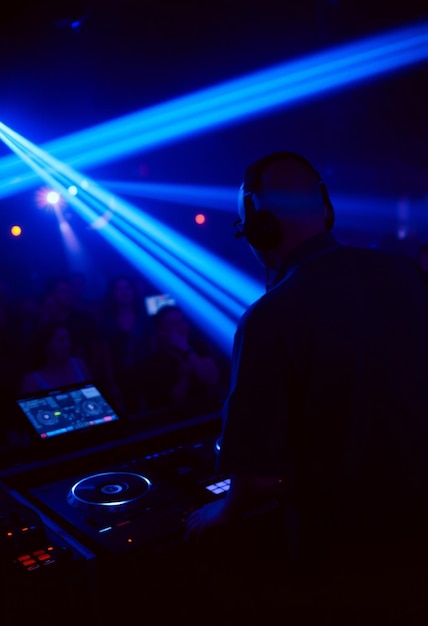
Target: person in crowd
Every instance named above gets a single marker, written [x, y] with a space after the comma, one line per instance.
[179, 372]
[327, 408]
[422, 258]
[57, 306]
[55, 365]
[124, 342]
[79, 295]
[10, 356]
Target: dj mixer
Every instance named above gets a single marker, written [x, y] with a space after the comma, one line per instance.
[75, 520]
[93, 514]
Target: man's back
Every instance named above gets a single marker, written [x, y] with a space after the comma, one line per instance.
[326, 411]
[348, 335]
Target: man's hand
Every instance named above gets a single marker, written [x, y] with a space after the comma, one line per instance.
[212, 516]
[245, 494]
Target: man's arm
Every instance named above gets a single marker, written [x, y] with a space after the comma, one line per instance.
[249, 492]
[246, 493]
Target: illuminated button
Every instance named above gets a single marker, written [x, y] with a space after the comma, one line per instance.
[29, 562]
[44, 557]
[25, 557]
[219, 487]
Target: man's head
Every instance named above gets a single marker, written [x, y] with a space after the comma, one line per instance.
[422, 257]
[282, 202]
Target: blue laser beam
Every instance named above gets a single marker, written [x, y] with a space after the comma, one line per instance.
[347, 207]
[237, 284]
[231, 287]
[229, 102]
[198, 280]
[43, 173]
[220, 324]
[208, 197]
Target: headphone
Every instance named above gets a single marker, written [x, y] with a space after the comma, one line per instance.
[261, 227]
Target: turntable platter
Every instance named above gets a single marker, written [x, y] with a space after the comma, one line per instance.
[109, 491]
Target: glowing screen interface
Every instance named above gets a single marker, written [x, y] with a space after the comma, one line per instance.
[60, 412]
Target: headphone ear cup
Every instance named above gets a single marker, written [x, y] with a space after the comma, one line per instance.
[329, 220]
[262, 229]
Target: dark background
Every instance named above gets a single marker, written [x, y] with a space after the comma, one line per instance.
[369, 140]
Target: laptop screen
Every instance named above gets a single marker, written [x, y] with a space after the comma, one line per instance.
[56, 412]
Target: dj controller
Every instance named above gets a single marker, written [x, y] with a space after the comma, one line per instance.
[135, 504]
[102, 530]
[127, 495]
[90, 517]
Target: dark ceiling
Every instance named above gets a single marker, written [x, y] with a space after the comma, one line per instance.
[69, 65]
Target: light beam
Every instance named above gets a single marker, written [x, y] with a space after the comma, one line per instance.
[137, 238]
[230, 102]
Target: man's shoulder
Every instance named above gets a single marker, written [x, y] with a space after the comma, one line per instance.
[266, 308]
[390, 261]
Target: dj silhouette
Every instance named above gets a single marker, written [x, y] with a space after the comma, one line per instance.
[327, 408]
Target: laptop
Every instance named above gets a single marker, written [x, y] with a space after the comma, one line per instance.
[75, 412]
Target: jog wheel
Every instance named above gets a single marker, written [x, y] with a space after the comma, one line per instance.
[109, 492]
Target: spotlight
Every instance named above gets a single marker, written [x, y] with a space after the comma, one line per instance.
[200, 218]
[47, 198]
[52, 197]
[16, 231]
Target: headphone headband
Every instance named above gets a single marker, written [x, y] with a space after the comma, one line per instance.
[254, 172]
[261, 227]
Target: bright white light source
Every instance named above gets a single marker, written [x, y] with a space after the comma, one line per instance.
[52, 197]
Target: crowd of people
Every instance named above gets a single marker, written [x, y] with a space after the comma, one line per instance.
[143, 362]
